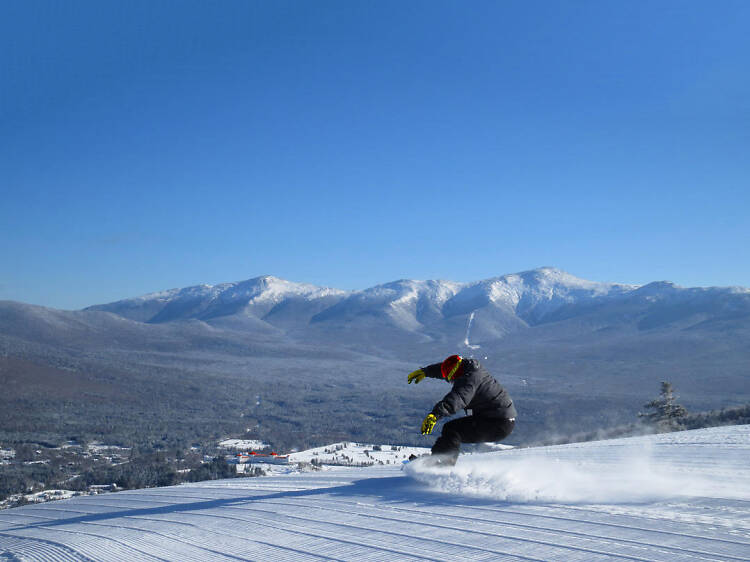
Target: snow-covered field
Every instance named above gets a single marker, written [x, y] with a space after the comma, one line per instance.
[246, 444]
[357, 454]
[679, 496]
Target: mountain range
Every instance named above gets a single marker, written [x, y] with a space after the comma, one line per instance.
[513, 301]
[432, 309]
[565, 345]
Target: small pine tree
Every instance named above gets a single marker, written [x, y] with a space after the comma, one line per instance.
[665, 414]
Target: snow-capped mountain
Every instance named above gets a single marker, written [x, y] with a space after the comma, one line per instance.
[498, 305]
[406, 304]
[255, 297]
[671, 497]
[405, 315]
[532, 294]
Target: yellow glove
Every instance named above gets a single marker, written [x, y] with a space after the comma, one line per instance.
[416, 376]
[428, 424]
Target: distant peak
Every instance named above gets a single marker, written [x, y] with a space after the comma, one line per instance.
[661, 285]
[547, 269]
[658, 286]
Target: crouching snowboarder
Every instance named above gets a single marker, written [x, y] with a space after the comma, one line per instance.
[492, 412]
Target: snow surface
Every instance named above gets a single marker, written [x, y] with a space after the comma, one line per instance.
[354, 454]
[679, 496]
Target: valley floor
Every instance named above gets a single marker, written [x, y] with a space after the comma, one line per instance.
[680, 496]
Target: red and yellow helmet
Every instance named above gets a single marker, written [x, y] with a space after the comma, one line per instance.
[451, 368]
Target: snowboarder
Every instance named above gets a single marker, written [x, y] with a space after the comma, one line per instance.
[492, 412]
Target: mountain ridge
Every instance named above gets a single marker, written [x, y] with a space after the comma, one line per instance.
[408, 313]
[521, 292]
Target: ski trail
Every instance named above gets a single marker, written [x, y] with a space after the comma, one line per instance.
[17, 548]
[468, 331]
[547, 503]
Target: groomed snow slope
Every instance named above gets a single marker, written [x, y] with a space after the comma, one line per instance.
[679, 496]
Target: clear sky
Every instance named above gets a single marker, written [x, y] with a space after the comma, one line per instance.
[151, 145]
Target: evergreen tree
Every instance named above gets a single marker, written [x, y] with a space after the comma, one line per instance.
[665, 413]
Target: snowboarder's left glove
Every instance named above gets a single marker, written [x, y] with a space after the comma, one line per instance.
[428, 424]
[416, 376]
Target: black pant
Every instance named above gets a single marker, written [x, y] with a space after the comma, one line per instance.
[471, 429]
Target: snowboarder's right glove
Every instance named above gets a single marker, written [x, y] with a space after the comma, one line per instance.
[416, 376]
[428, 424]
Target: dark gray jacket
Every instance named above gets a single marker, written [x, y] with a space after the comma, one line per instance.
[475, 390]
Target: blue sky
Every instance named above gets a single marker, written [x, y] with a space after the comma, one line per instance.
[151, 145]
